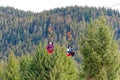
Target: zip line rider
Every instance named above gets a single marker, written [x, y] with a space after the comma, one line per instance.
[70, 51]
[50, 46]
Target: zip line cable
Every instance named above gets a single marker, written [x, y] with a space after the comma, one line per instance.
[115, 5]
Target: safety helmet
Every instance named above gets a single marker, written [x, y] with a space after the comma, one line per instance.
[50, 42]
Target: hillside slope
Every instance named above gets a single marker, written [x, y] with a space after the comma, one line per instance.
[21, 31]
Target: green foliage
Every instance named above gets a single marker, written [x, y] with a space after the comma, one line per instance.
[41, 64]
[25, 61]
[53, 67]
[100, 52]
[22, 31]
[12, 71]
[64, 68]
[2, 66]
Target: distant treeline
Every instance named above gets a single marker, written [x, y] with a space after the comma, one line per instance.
[21, 31]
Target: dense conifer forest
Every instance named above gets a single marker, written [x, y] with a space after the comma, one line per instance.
[100, 59]
[23, 38]
[21, 32]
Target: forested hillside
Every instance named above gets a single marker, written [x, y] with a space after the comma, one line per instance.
[100, 59]
[21, 32]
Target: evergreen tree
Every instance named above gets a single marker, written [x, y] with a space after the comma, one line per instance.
[41, 64]
[100, 52]
[12, 71]
[65, 68]
[2, 67]
[22, 31]
[56, 66]
[25, 61]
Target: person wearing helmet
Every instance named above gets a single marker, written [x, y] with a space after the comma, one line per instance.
[70, 51]
[50, 47]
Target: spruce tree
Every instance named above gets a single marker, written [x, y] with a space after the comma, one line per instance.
[41, 64]
[2, 67]
[100, 52]
[65, 68]
[12, 71]
[56, 66]
[25, 61]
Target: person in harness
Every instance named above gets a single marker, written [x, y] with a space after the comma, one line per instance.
[70, 51]
[50, 45]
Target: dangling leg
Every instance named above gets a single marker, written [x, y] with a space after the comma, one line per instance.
[72, 53]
